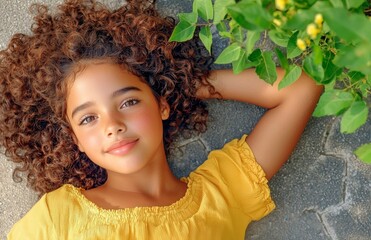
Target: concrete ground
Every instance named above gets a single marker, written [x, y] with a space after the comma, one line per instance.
[323, 192]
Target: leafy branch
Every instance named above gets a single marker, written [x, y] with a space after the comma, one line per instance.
[330, 40]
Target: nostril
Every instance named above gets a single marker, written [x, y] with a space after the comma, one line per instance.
[112, 131]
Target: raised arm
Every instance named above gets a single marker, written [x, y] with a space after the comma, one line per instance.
[289, 109]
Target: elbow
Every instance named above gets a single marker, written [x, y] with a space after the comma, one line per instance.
[311, 89]
[304, 90]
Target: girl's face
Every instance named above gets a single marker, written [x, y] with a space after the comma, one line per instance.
[116, 119]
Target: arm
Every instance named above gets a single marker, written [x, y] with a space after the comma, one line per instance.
[289, 109]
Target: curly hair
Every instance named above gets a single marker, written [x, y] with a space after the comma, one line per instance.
[33, 71]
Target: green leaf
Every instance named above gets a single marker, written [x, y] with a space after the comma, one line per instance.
[346, 29]
[304, 3]
[330, 69]
[282, 59]
[354, 117]
[337, 3]
[292, 49]
[225, 34]
[233, 24]
[252, 38]
[368, 79]
[242, 63]
[312, 69]
[222, 30]
[206, 37]
[238, 65]
[255, 56]
[355, 76]
[364, 89]
[355, 58]
[266, 69]
[250, 15]
[221, 27]
[290, 77]
[333, 102]
[183, 32]
[319, 5]
[354, 3]
[361, 80]
[188, 17]
[204, 9]
[317, 55]
[300, 20]
[364, 153]
[281, 39]
[220, 9]
[229, 54]
[237, 34]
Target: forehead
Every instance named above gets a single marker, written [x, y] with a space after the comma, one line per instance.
[99, 82]
[100, 75]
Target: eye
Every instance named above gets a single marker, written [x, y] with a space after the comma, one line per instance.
[87, 120]
[129, 103]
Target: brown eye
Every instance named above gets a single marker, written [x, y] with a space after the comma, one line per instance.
[87, 119]
[129, 103]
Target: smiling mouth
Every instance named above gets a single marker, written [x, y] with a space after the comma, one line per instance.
[122, 147]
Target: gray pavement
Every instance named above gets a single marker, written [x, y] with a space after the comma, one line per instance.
[322, 192]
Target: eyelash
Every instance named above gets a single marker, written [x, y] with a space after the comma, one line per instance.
[129, 103]
[85, 121]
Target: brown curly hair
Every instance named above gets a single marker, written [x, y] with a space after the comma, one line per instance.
[34, 68]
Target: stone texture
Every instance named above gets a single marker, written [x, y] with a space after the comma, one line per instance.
[322, 192]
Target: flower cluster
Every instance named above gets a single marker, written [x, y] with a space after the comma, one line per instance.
[301, 44]
[313, 29]
[281, 4]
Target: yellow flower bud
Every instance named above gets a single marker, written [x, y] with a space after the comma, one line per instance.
[318, 19]
[277, 22]
[301, 44]
[281, 4]
[312, 30]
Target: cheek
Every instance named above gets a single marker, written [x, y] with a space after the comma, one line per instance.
[147, 121]
[89, 141]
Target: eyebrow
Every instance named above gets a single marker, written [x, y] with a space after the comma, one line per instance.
[114, 94]
[124, 90]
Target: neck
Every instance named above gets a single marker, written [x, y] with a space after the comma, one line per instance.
[153, 180]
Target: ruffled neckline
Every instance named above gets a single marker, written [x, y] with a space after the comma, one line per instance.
[180, 210]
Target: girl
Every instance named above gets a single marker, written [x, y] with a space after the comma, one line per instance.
[93, 99]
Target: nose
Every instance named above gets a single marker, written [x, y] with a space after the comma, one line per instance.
[114, 125]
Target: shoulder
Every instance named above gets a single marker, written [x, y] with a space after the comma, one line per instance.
[42, 219]
[65, 191]
[235, 155]
[65, 200]
[237, 176]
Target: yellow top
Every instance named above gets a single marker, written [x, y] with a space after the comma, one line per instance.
[225, 193]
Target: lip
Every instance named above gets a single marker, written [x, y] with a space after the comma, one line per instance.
[122, 147]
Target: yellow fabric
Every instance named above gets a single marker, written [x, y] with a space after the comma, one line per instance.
[226, 193]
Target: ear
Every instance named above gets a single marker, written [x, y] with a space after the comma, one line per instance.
[77, 143]
[164, 108]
